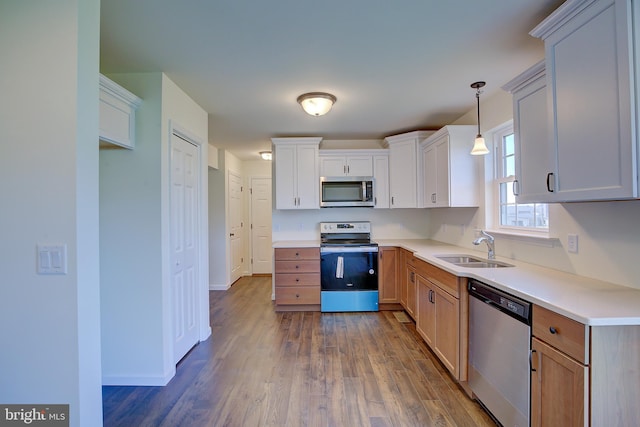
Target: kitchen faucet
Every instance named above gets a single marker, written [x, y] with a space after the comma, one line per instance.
[488, 239]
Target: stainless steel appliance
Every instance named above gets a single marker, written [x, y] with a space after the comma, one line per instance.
[348, 267]
[499, 348]
[346, 191]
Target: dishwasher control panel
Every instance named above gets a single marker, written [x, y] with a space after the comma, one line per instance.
[509, 304]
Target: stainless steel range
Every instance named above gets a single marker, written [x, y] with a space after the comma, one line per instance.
[348, 267]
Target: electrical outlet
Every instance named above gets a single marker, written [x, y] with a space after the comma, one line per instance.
[572, 243]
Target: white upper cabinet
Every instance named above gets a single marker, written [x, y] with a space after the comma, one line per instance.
[381, 180]
[297, 178]
[333, 163]
[360, 162]
[534, 149]
[451, 173]
[590, 52]
[117, 114]
[405, 169]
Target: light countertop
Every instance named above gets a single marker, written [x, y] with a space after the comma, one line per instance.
[589, 301]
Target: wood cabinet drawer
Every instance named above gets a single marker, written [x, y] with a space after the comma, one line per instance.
[563, 333]
[289, 295]
[297, 253]
[445, 280]
[298, 279]
[302, 266]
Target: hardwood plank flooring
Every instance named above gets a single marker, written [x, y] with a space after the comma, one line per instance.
[262, 368]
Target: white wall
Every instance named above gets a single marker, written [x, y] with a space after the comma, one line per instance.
[49, 168]
[385, 223]
[134, 230]
[609, 236]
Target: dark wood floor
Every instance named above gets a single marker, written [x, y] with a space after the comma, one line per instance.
[261, 368]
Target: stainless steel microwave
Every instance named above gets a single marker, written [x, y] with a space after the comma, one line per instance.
[346, 191]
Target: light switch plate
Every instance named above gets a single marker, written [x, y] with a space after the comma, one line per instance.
[51, 259]
[572, 243]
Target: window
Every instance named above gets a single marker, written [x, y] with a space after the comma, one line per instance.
[512, 215]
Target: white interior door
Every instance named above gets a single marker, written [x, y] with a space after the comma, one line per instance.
[261, 249]
[184, 198]
[235, 225]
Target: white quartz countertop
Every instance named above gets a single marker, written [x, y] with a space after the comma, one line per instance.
[589, 301]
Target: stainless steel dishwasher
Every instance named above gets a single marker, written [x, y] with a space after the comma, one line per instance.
[499, 348]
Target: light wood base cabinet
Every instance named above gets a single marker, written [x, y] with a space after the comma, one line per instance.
[297, 279]
[559, 395]
[583, 375]
[388, 275]
[442, 318]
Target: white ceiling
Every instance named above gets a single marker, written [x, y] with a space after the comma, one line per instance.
[394, 66]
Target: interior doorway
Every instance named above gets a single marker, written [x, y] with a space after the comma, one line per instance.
[261, 248]
[236, 213]
[185, 201]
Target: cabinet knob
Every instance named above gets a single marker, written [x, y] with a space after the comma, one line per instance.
[297, 295]
[297, 266]
[553, 330]
[297, 280]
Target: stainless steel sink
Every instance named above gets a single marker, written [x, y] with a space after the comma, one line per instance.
[471, 261]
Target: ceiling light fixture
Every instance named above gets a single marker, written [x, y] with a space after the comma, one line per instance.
[266, 155]
[316, 103]
[479, 146]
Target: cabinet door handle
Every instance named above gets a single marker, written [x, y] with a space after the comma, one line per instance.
[392, 202]
[531, 361]
[348, 169]
[344, 169]
[433, 197]
[412, 277]
[375, 201]
[516, 187]
[549, 189]
[553, 330]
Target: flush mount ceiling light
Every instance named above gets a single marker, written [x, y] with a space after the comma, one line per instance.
[479, 146]
[316, 103]
[266, 155]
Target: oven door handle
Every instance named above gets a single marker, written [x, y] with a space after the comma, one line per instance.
[346, 249]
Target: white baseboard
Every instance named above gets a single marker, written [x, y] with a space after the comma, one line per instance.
[213, 287]
[138, 381]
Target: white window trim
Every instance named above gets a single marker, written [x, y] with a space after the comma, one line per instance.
[532, 235]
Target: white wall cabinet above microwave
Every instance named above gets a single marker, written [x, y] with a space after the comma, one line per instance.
[591, 58]
[450, 172]
[297, 181]
[335, 163]
[117, 114]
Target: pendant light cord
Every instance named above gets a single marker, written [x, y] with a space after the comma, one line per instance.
[478, 98]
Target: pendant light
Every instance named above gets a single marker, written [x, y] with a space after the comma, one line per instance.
[316, 103]
[479, 146]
